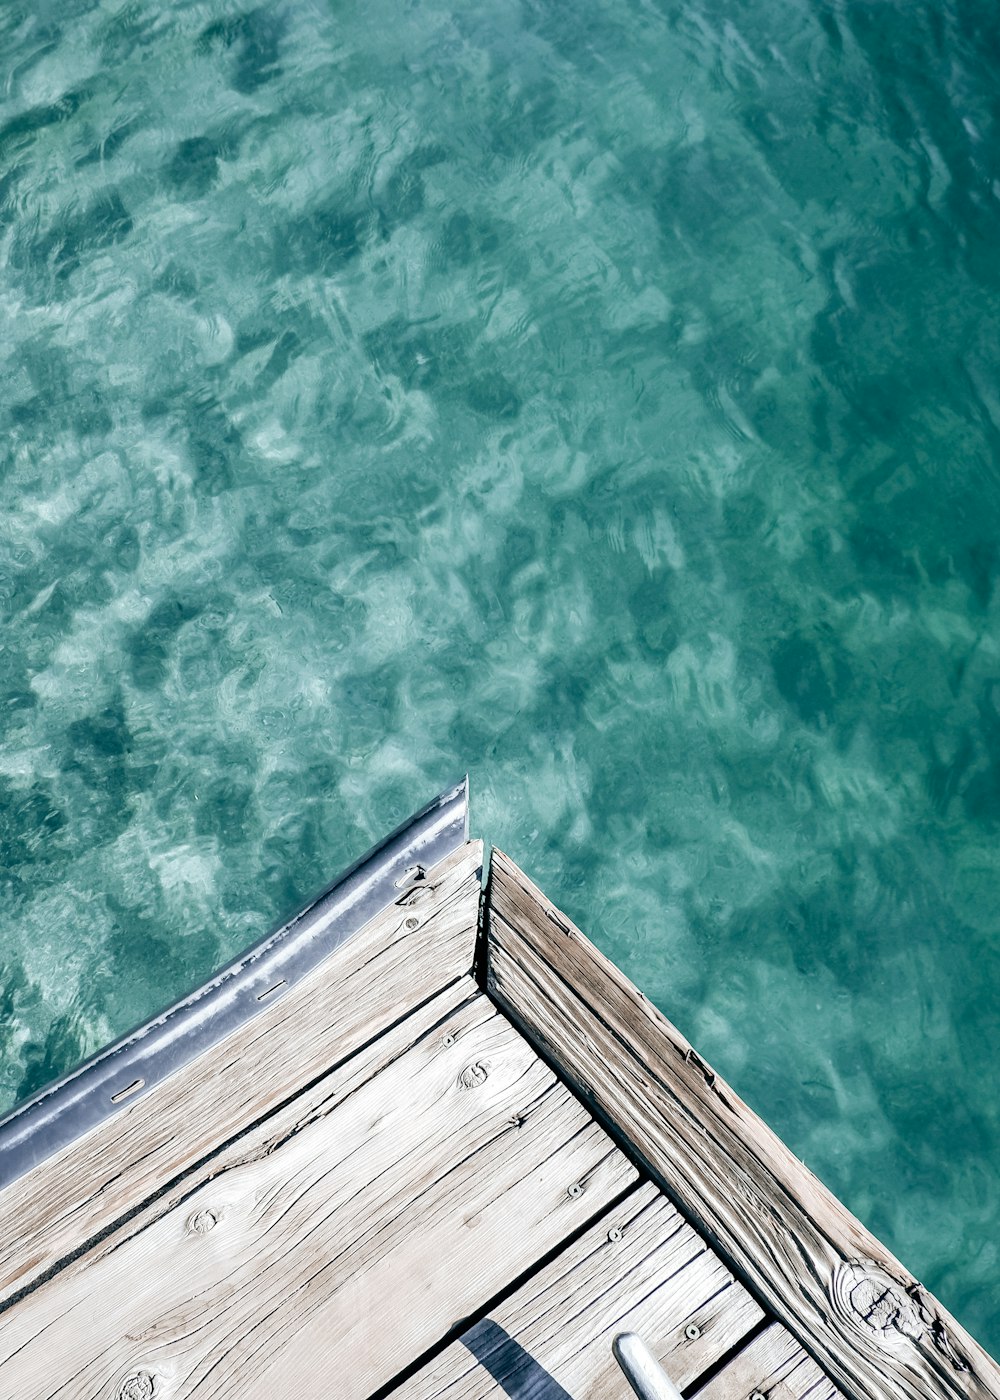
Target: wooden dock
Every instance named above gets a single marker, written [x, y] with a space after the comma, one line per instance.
[452, 1162]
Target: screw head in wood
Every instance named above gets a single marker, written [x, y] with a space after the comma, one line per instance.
[692, 1331]
[137, 1387]
[575, 1190]
[757, 1395]
[614, 1234]
[448, 1039]
[410, 923]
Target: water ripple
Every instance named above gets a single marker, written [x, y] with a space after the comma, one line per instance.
[598, 396]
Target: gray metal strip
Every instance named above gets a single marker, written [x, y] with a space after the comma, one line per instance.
[119, 1075]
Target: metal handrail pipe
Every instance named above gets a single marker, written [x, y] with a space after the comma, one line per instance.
[642, 1370]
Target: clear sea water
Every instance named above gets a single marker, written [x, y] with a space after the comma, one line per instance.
[603, 397]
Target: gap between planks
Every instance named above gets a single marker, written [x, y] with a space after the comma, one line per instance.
[772, 1365]
[640, 1267]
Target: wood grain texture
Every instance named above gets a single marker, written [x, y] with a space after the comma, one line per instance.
[398, 960]
[337, 1241]
[841, 1293]
[773, 1365]
[640, 1268]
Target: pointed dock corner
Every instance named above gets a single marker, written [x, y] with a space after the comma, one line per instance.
[425, 1141]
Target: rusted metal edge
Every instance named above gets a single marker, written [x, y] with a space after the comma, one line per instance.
[118, 1075]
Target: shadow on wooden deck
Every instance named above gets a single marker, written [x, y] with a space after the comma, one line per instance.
[515, 1370]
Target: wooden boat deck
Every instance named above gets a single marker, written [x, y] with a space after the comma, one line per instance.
[453, 1161]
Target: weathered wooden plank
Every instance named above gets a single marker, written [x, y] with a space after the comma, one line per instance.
[772, 1365]
[328, 1248]
[639, 1268]
[871, 1326]
[397, 961]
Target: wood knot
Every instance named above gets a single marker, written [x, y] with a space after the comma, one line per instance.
[473, 1075]
[204, 1221]
[872, 1299]
[137, 1387]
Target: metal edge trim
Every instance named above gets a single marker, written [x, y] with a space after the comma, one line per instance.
[123, 1072]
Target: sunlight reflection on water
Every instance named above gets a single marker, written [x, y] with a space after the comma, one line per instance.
[600, 398]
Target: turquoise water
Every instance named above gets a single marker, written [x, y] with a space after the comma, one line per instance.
[602, 397]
